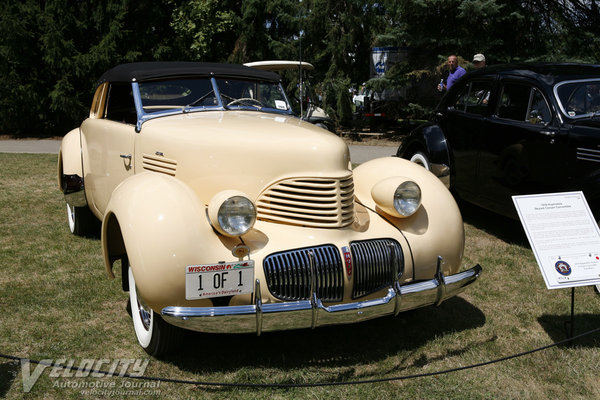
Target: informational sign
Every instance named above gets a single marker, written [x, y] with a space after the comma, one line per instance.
[383, 58]
[564, 237]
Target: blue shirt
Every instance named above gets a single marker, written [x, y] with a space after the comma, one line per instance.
[453, 76]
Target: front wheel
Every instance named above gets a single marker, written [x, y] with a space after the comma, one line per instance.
[421, 159]
[155, 336]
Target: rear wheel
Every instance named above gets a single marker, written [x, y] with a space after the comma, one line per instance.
[421, 159]
[81, 221]
[155, 336]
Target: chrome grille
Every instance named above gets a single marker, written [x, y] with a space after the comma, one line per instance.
[288, 274]
[372, 264]
[588, 154]
[312, 202]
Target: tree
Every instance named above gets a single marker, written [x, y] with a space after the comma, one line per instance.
[53, 52]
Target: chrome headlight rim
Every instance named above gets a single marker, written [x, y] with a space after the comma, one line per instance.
[407, 198]
[232, 213]
[397, 196]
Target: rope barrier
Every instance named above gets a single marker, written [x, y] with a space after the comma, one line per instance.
[317, 384]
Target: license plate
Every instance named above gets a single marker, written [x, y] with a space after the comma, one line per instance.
[218, 280]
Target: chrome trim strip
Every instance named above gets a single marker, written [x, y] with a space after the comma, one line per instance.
[312, 313]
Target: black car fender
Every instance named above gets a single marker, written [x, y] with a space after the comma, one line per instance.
[429, 139]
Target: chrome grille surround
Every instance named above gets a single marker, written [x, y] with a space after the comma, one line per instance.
[373, 265]
[288, 274]
[311, 202]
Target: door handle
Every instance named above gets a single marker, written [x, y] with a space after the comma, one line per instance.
[126, 156]
[548, 133]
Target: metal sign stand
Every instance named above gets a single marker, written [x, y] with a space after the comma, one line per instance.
[570, 325]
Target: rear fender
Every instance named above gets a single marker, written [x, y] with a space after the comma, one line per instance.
[436, 229]
[156, 224]
[70, 169]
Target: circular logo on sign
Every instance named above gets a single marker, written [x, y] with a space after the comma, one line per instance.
[563, 268]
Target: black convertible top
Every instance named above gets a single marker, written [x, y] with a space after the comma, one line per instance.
[147, 71]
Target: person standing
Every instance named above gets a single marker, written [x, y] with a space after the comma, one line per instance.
[479, 61]
[455, 71]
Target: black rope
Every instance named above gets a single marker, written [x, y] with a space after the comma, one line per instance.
[318, 384]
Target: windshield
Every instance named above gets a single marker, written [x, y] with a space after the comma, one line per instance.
[579, 99]
[200, 93]
[252, 94]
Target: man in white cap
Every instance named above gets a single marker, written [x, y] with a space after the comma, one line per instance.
[479, 60]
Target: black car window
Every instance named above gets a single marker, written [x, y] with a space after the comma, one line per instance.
[579, 98]
[474, 98]
[514, 101]
[539, 112]
[120, 105]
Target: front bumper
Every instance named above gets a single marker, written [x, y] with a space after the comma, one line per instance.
[312, 313]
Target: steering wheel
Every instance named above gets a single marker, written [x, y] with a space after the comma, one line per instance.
[243, 99]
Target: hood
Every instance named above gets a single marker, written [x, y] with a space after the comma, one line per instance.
[244, 150]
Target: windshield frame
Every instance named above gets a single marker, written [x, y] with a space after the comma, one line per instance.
[143, 116]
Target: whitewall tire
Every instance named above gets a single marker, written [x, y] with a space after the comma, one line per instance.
[155, 336]
[421, 159]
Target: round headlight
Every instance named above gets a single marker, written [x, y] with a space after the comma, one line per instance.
[407, 198]
[397, 196]
[231, 213]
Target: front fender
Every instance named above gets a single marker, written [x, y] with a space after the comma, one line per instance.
[429, 137]
[436, 229]
[159, 224]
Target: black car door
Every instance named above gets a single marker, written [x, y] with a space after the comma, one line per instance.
[521, 153]
[466, 116]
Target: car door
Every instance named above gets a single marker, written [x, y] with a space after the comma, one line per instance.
[465, 118]
[108, 146]
[521, 153]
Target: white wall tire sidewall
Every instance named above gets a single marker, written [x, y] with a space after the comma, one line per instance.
[144, 336]
[71, 217]
[421, 159]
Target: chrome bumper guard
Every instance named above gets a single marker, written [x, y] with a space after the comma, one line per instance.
[312, 313]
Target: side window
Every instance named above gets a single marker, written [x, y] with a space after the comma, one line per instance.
[514, 101]
[461, 100]
[474, 98]
[120, 105]
[539, 112]
[478, 98]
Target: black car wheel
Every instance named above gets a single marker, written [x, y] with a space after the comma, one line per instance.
[421, 159]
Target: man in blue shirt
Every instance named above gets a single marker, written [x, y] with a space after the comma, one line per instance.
[456, 71]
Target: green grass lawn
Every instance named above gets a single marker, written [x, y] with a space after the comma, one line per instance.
[57, 302]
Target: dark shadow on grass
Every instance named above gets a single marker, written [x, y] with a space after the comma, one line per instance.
[341, 347]
[8, 373]
[557, 328]
[507, 229]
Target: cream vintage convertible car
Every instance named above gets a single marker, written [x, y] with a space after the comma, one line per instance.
[225, 213]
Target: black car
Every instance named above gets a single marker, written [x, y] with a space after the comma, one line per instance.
[515, 129]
